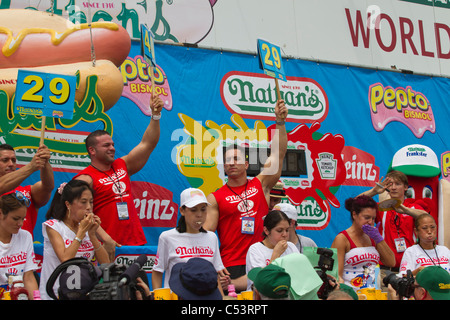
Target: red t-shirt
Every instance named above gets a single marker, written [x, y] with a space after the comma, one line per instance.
[234, 203]
[110, 188]
[396, 225]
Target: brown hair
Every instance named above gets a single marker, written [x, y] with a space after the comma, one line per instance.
[399, 176]
[91, 139]
[6, 147]
[357, 204]
[273, 218]
[420, 218]
[10, 203]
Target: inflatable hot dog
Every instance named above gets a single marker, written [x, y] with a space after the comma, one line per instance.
[421, 165]
[44, 42]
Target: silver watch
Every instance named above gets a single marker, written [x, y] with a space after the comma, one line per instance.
[156, 116]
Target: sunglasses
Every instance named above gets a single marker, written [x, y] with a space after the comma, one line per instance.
[22, 198]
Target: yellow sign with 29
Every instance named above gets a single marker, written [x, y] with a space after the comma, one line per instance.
[45, 94]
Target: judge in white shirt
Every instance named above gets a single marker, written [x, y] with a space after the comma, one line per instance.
[188, 240]
[426, 252]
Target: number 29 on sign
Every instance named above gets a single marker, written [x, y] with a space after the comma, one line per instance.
[270, 58]
[45, 94]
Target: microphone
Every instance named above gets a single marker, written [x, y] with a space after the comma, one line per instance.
[132, 271]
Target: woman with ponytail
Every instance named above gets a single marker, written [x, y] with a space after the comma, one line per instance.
[70, 230]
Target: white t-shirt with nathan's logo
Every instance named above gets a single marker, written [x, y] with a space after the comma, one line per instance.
[415, 257]
[16, 257]
[175, 247]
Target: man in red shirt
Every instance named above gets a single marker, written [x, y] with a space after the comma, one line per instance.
[237, 208]
[110, 179]
[397, 225]
[11, 178]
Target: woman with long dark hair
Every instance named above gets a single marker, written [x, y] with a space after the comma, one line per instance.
[70, 230]
[274, 245]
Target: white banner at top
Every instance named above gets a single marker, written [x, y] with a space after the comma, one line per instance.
[409, 35]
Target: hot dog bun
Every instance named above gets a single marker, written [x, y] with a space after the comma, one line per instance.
[109, 84]
[38, 40]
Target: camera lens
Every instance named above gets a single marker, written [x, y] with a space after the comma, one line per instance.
[391, 279]
[403, 286]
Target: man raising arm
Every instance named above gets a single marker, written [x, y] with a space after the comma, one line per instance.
[110, 179]
[237, 208]
[11, 178]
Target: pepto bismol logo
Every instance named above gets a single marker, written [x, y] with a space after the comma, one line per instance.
[405, 105]
[253, 95]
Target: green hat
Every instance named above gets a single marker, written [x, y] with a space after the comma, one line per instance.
[349, 290]
[416, 160]
[272, 281]
[436, 281]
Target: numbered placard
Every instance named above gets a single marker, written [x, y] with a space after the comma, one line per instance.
[270, 58]
[147, 45]
[45, 94]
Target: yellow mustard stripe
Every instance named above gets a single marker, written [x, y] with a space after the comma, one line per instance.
[12, 43]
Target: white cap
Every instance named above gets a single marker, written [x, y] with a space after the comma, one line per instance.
[191, 197]
[416, 160]
[288, 209]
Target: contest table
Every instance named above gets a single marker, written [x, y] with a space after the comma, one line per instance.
[125, 255]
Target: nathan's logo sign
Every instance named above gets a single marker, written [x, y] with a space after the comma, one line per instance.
[194, 251]
[310, 215]
[403, 105]
[170, 20]
[129, 259]
[253, 95]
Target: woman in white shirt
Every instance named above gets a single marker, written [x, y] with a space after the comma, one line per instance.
[426, 252]
[274, 245]
[70, 230]
[187, 240]
[16, 244]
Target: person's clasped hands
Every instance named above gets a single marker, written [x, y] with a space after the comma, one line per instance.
[90, 223]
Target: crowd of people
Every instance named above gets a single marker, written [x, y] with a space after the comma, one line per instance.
[241, 237]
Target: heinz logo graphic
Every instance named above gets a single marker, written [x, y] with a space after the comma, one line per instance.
[404, 105]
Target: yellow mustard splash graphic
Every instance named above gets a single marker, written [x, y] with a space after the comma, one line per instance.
[198, 158]
[12, 43]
